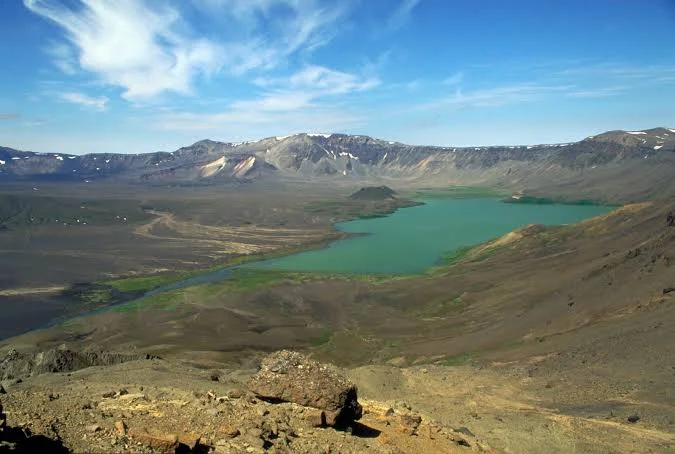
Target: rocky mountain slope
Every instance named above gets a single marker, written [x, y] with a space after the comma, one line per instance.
[292, 404]
[594, 163]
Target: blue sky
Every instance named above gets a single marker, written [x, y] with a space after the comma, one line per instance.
[135, 76]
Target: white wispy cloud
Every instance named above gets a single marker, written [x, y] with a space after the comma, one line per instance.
[277, 29]
[619, 71]
[132, 46]
[303, 100]
[149, 48]
[325, 81]
[402, 13]
[454, 79]
[63, 57]
[89, 102]
[242, 124]
[495, 96]
[598, 92]
[34, 122]
[9, 116]
[580, 80]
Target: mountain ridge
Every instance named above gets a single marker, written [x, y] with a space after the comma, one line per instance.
[307, 156]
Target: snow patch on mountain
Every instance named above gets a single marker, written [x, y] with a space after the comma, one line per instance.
[344, 153]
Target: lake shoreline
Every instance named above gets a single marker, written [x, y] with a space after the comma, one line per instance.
[152, 285]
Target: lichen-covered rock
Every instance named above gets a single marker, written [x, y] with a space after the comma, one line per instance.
[287, 376]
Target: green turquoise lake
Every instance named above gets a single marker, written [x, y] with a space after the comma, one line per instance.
[413, 239]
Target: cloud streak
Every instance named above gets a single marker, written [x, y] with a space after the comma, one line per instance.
[8, 116]
[93, 103]
[402, 14]
[304, 100]
[129, 45]
[148, 48]
[274, 30]
[63, 57]
[601, 92]
[495, 96]
[454, 79]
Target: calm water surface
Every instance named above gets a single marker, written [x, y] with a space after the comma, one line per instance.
[413, 239]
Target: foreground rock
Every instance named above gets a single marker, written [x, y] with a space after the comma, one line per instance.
[287, 376]
[169, 407]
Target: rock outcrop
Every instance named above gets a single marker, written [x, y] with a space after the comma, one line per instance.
[17, 365]
[374, 193]
[287, 376]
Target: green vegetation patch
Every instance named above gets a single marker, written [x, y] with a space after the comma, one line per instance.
[440, 308]
[348, 348]
[93, 294]
[98, 296]
[163, 301]
[247, 279]
[453, 257]
[145, 283]
[242, 280]
[457, 360]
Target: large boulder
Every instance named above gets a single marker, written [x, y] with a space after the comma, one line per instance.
[287, 376]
